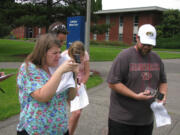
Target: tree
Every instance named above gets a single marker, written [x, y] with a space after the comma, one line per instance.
[96, 5]
[98, 28]
[170, 25]
[39, 14]
[43, 13]
[99, 4]
[5, 28]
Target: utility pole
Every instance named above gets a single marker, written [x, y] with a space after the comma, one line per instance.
[87, 30]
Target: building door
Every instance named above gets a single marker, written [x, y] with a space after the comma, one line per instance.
[29, 32]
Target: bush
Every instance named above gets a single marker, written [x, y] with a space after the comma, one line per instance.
[169, 43]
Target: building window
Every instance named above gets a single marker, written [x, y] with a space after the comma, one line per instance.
[135, 28]
[29, 32]
[120, 37]
[121, 28]
[121, 21]
[136, 20]
[94, 36]
[107, 19]
[107, 33]
[107, 36]
[134, 38]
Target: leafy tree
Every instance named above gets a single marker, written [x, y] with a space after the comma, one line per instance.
[96, 5]
[100, 28]
[42, 14]
[5, 28]
[39, 14]
[97, 28]
[170, 25]
[99, 4]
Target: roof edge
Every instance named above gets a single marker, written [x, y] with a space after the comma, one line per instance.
[149, 8]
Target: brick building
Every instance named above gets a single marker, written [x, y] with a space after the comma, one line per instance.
[125, 22]
[28, 32]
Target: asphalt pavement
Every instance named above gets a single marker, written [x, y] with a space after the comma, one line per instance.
[94, 118]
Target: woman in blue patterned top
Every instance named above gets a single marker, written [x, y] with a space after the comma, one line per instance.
[43, 111]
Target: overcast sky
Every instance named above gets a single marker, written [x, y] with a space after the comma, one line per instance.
[116, 4]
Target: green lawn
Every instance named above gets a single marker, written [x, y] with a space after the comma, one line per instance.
[93, 81]
[9, 104]
[103, 53]
[16, 50]
[13, 50]
[168, 55]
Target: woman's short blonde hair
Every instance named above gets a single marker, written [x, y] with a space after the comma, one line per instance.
[77, 47]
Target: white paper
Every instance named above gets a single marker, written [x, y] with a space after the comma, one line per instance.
[161, 115]
[81, 100]
[2, 77]
[5, 77]
[67, 80]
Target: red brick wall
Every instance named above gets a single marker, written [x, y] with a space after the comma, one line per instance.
[102, 20]
[19, 32]
[114, 31]
[128, 29]
[36, 31]
[91, 34]
[43, 30]
[149, 17]
[144, 17]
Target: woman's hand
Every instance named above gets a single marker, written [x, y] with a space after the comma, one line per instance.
[69, 65]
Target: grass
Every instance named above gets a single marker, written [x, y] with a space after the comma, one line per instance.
[108, 53]
[9, 103]
[94, 80]
[169, 55]
[15, 50]
[103, 53]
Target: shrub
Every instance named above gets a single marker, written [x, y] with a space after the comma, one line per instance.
[169, 43]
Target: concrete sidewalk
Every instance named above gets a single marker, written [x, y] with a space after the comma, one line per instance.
[95, 117]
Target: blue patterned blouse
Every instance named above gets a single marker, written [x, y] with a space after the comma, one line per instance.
[37, 118]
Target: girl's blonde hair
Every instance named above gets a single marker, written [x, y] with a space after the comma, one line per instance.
[76, 47]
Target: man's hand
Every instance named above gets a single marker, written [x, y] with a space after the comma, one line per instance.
[144, 95]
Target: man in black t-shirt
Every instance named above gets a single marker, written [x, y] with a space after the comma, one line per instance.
[136, 73]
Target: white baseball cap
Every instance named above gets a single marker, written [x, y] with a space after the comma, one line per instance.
[147, 34]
